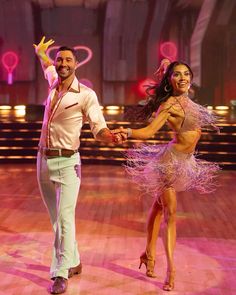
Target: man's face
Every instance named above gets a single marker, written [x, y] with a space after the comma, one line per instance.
[65, 64]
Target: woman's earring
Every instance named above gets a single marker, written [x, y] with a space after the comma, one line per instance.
[167, 88]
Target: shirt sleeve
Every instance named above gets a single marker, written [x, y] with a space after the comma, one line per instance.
[94, 113]
[50, 75]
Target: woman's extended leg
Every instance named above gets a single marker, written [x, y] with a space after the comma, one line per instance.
[153, 226]
[170, 204]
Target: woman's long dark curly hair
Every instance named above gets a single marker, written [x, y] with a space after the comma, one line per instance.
[156, 95]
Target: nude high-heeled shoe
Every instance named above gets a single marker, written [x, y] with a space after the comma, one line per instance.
[149, 263]
[169, 282]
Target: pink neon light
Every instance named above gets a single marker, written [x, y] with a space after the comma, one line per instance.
[89, 56]
[78, 47]
[10, 61]
[169, 50]
[142, 86]
[86, 82]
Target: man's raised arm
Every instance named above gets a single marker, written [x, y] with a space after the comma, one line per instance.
[40, 51]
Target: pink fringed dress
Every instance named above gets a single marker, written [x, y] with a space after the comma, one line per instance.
[154, 168]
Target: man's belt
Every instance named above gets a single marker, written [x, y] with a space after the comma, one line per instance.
[56, 152]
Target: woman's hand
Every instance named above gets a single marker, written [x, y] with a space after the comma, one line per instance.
[123, 133]
[159, 73]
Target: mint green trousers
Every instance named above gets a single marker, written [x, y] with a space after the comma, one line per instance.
[59, 182]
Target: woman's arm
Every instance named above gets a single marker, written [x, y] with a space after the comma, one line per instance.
[156, 124]
[148, 131]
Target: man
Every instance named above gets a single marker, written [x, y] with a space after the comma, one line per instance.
[69, 103]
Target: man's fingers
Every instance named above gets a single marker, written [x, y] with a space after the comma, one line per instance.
[114, 131]
[42, 42]
[119, 137]
[50, 42]
[123, 136]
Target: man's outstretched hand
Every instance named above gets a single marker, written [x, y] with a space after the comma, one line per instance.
[42, 47]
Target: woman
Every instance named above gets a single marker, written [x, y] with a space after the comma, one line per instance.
[165, 169]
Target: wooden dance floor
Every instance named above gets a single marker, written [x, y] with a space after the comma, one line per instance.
[110, 220]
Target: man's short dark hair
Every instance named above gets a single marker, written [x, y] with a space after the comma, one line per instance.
[66, 48]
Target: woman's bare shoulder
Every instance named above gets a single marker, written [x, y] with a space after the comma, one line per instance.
[167, 104]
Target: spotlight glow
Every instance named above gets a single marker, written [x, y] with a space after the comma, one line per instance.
[5, 107]
[19, 107]
[221, 108]
[112, 108]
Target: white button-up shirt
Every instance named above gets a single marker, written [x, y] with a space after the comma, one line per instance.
[61, 127]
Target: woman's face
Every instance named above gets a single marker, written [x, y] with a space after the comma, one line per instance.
[180, 79]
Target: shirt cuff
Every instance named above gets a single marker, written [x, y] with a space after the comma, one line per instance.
[96, 129]
[49, 69]
[50, 74]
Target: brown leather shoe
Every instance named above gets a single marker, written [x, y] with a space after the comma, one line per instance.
[59, 285]
[75, 270]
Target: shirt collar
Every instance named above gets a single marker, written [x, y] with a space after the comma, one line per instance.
[75, 86]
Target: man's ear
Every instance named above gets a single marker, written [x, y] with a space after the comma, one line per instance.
[76, 65]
